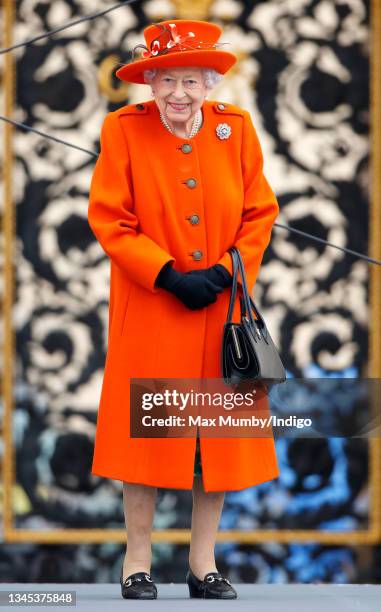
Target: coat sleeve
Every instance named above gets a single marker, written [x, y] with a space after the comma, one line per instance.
[110, 211]
[260, 207]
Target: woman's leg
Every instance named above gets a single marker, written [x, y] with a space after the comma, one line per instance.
[139, 509]
[206, 514]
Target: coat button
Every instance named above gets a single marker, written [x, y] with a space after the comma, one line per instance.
[186, 148]
[191, 183]
[194, 219]
[197, 255]
[221, 106]
[140, 106]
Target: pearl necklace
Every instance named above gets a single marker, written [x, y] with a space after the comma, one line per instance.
[195, 125]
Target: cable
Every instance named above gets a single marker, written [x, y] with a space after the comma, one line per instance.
[292, 229]
[64, 27]
[286, 227]
[49, 136]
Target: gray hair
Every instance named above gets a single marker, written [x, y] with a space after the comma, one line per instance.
[210, 75]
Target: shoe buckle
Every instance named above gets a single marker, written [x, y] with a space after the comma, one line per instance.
[148, 578]
[128, 582]
[210, 579]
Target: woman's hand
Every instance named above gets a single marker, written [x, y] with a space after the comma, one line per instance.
[193, 290]
[218, 274]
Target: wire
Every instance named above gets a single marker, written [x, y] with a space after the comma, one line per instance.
[370, 259]
[286, 227]
[64, 27]
[28, 128]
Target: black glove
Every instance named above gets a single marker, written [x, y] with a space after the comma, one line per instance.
[218, 274]
[195, 291]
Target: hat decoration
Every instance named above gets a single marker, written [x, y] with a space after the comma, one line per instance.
[170, 38]
[178, 42]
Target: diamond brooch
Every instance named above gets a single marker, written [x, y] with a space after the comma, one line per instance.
[223, 130]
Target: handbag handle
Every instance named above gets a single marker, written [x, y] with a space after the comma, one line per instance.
[234, 284]
[246, 297]
[247, 303]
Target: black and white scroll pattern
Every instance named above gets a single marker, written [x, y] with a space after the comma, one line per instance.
[303, 74]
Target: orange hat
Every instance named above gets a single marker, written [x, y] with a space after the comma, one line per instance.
[178, 42]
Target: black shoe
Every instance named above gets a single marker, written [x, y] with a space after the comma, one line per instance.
[214, 586]
[138, 586]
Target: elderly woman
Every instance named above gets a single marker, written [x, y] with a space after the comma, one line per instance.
[179, 180]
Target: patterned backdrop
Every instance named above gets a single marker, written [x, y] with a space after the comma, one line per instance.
[303, 75]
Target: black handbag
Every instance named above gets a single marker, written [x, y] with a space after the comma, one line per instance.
[248, 351]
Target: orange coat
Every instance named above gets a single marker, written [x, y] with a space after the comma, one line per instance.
[140, 211]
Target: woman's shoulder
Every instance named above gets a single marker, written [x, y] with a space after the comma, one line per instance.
[140, 108]
[225, 108]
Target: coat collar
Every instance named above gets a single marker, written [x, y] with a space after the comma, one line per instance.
[214, 113]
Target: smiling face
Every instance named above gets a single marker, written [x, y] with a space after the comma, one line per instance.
[179, 93]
